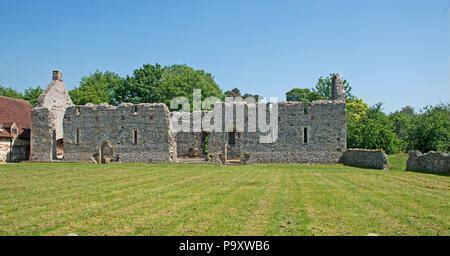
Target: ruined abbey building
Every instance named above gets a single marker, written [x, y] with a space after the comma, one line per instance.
[307, 133]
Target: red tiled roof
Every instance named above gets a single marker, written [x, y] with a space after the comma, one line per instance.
[5, 134]
[14, 111]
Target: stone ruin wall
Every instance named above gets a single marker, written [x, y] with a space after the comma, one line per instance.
[325, 122]
[189, 144]
[431, 162]
[326, 132]
[326, 136]
[56, 99]
[90, 127]
[47, 120]
[366, 158]
[42, 139]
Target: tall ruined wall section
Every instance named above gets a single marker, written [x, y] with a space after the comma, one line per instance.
[47, 120]
[56, 99]
[315, 133]
[127, 133]
[42, 141]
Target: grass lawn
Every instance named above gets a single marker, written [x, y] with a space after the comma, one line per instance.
[189, 199]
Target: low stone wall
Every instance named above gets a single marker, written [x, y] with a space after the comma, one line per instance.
[43, 143]
[375, 159]
[433, 162]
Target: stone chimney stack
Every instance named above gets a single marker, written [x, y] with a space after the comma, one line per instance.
[57, 75]
[337, 88]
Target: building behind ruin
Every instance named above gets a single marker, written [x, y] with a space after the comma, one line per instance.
[307, 132]
[15, 123]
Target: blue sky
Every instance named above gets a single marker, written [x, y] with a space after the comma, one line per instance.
[396, 52]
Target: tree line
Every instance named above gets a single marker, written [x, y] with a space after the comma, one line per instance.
[368, 126]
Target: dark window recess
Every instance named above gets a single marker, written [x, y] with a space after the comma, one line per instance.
[135, 109]
[305, 135]
[305, 110]
[78, 136]
[135, 137]
[231, 138]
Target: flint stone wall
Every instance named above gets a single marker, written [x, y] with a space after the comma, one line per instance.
[375, 159]
[19, 151]
[189, 144]
[326, 132]
[42, 140]
[326, 135]
[95, 125]
[433, 162]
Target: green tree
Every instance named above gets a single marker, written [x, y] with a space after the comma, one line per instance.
[302, 95]
[31, 94]
[431, 129]
[154, 83]
[323, 87]
[96, 88]
[237, 93]
[10, 92]
[233, 93]
[403, 122]
[370, 128]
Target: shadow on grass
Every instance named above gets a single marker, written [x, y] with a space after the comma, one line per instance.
[431, 172]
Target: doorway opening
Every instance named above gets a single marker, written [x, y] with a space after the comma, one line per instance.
[60, 149]
[106, 152]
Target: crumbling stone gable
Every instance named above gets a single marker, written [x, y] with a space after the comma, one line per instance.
[126, 133]
[337, 88]
[56, 99]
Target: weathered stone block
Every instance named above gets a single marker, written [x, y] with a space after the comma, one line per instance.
[432, 162]
[375, 159]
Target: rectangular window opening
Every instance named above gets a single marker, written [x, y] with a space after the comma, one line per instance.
[305, 135]
[231, 138]
[135, 137]
[78, 136]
